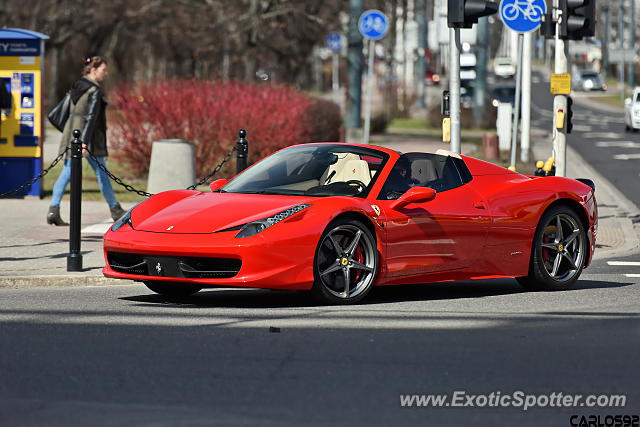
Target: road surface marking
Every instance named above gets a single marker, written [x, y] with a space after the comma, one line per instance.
[99, 228]
[611, 135]
[619, 144]
[629, 263]
[627, 156]
[632, 275]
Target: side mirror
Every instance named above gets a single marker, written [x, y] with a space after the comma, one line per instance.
[218, 184]
[414, 195]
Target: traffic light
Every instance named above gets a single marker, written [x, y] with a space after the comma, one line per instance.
[465, 13]
[578, 19]
[569, 114]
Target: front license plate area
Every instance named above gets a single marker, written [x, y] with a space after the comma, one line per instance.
[163, 266]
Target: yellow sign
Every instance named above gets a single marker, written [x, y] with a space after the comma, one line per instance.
[446, 129]
[561, 84]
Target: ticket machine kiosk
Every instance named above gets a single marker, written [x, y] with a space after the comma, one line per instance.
[21, 110]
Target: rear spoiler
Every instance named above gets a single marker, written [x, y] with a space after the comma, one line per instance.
[587, 182]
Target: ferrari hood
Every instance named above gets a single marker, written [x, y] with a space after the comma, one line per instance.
[209, 212]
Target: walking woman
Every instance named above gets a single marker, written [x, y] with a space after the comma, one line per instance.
[87, 113]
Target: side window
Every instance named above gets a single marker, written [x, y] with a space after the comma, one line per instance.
[424, 170]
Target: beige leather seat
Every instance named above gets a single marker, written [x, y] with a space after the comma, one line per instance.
[353, 169]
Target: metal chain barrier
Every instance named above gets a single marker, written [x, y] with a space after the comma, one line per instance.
[42, 174]
[130, 188]
[115, 178]
[226, 158]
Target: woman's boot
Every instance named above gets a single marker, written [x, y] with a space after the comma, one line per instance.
[117, 212]
[53, 216]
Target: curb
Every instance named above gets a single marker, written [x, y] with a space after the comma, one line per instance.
[67, 281]
[631, 244]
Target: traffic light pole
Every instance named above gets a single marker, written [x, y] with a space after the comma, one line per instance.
[454, 88]
[561, 66]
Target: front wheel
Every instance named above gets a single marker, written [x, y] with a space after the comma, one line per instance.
[346, 262]
[172, 289]
[559, 251]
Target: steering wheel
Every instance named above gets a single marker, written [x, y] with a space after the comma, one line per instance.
[355, 182]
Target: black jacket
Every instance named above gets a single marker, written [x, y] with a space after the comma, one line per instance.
[88, 113]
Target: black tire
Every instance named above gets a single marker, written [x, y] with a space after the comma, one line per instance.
[354, 258]
[557, 259]
[172, 289]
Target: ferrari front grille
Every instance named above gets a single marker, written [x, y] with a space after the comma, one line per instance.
[173, 266]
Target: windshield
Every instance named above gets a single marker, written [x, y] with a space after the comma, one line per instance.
[312, 170]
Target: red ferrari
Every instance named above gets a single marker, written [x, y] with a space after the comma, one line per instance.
[338, 219]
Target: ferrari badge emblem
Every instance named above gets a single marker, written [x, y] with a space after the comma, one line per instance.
[159, 269]
[376, 209]
[170, 228]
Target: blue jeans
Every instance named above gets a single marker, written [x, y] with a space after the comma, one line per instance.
[103, 181]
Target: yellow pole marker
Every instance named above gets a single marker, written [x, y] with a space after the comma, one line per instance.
[446, 129]
[549, 164]
[512, 168]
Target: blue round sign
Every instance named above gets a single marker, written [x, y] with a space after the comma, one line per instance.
[373, 24]
[522, 16]
[334, 42]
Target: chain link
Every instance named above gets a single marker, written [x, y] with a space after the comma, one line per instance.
[42, 174]
[130, 188]
[115, 178]
[226, 158]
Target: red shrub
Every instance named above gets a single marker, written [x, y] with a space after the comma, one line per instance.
[209, 114]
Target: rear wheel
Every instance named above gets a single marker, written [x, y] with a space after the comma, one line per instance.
[559, 251]
[172, 289]
[346, 262]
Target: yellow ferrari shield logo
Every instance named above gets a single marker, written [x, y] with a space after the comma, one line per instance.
[376, 209]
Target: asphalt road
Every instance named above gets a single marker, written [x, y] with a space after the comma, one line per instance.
[108, 356]
[599, 136]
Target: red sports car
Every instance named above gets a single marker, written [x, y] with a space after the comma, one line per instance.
[338, 219]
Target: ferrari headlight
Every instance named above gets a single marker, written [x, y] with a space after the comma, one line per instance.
[124, 219]
[255, 227]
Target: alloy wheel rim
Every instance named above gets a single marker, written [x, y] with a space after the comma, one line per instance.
[346, 261]
[562, 247]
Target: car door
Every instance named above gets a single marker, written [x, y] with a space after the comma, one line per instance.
[447, 233]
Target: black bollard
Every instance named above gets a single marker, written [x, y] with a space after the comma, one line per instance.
[74, 259]
[242, 151]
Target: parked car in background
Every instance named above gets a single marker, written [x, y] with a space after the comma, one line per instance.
[632, 111]
[588, 80]
[504, 67]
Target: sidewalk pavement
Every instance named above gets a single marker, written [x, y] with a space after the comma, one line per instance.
[33, 254]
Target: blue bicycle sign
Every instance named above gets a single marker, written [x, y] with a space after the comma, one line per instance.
[373, 24]
[522, 16]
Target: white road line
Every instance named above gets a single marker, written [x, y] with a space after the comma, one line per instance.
[100, 228]
[618, 144]
[627, 156]
[628, 263]
[632, 275]
[611, 135]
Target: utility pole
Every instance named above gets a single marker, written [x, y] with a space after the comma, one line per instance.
[516, 113]
[355, 65]
[605, 43]
[454, 88]
[480, 95]
[621, 64]
[525, 139]
[561, 66]
[632, 43]
[421, 63]
[461, 14]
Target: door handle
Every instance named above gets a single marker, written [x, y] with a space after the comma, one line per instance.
[479, 205]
